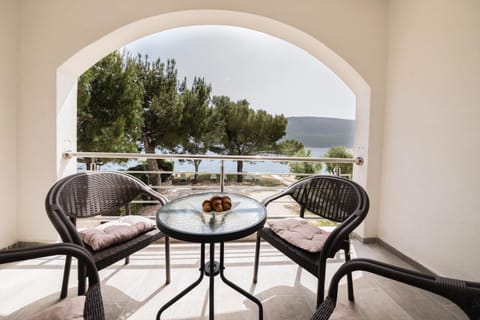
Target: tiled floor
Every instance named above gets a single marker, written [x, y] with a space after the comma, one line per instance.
[136, 291]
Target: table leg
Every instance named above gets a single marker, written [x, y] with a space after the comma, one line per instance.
[212, 272]
[234, 286]
[190, 287]
[211, 311]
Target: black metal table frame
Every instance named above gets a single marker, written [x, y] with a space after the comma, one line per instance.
[211, 269]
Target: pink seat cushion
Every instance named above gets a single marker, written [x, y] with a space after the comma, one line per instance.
[114, 232]
[300, 233]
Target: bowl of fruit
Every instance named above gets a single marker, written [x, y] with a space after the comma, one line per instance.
[218, 205]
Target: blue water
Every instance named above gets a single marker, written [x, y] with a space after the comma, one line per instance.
[213, 166]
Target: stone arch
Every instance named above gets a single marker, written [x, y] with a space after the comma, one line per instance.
[71, 69]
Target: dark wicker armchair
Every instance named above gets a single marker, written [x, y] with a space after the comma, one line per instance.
[334, 198]
[464, 294]
[89, 194]
[93, 305]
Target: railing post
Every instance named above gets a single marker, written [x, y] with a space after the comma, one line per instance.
[222, 176]
[337, 170]
[93, 165]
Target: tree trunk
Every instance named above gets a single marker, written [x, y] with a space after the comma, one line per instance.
[154, 179]
[239, 170]
[88, 163]
[196, 163]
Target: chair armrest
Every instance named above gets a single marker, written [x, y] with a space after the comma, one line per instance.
[93, 308]
[337, 235]
[275, 196]
[464, 294]
[68, 249]
[347, 226]
[157, 195]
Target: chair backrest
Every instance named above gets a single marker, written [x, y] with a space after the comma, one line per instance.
[89, 194]
[330, 197]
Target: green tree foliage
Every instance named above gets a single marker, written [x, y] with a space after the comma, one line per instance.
[162, 107]
[166, 165]
[109, 115]
[246, 131]
[197, 122]
[128, 104]
[339, 152]
[290, 147]
[304, 167]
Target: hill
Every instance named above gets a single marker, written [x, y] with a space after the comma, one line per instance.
[321, 132]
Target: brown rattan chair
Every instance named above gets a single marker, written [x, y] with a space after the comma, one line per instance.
[464, 294]
[333, 198]
[88, 194]
[93, 303]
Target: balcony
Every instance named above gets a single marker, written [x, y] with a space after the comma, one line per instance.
[416, 91]
[137, 290]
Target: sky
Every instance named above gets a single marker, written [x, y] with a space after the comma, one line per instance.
[270, 73]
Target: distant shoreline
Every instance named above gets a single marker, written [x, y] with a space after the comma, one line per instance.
[213, 166]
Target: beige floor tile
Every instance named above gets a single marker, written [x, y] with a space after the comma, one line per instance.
[136, 291]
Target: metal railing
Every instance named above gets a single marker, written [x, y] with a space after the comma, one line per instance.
[222, 158]
[187, 188]
[118, 155]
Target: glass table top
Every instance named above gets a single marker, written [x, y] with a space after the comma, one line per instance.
[184, 218]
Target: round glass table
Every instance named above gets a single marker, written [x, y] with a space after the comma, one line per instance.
[184, 219]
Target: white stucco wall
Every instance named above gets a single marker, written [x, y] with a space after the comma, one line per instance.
[430, 195]
[429, 201]
[8, 101]
[53, 31]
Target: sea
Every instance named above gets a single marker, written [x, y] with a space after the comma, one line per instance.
[213, 166]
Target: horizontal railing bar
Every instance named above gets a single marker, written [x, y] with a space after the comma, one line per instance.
[250, 173]
[113, 155]
[110, 218]
[230, 173]
[256, 173]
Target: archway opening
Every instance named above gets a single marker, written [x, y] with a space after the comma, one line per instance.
[68, 73]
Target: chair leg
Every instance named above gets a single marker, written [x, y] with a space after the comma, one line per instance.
[167, 260]
[321, 282]
[66, 275]
[257, 256]
[82, 279]
[349, 278]
[127, 260]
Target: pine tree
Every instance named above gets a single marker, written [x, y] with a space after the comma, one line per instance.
[109, 114]
[198, 121]
[247, 131]
[162, 108]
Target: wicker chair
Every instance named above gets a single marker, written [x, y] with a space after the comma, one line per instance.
[464, 294]
[89, 194]
[93, 305]
[334, 198]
